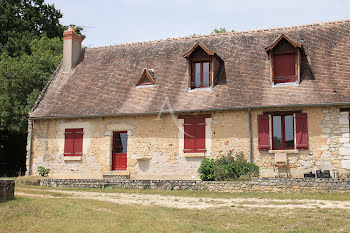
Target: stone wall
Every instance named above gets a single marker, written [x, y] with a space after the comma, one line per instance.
[154, 145]
[335, 155]
[257, 184]
[7, 190]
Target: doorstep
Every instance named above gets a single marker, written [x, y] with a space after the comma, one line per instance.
[119, 174]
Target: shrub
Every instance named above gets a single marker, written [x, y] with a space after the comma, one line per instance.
[227, 167]
[43, 171]
[206, 170]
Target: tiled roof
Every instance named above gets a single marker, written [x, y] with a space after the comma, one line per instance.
[103, 84]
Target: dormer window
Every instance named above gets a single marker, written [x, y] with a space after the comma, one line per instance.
[200, 74]
[285, 61]
[147, 78]
[203, 66]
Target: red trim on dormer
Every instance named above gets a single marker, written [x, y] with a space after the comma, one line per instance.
[295, 45]
[145, 74]
[200, 44]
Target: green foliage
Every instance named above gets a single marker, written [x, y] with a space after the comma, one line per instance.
[220, 30]
[22, 78]
[43, 171]
[206, 170]
[227, 167]
[30, 51]
[21, 21]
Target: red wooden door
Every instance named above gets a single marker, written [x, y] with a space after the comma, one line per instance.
[119, 151]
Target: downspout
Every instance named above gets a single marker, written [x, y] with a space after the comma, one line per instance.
[30, 146]
[250, 136]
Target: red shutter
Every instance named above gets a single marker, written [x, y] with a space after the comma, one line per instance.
[189, 136]
[200, 134]
[78, 142]
[301, 131]
[194, 136]
[68, 142]
[264, 136]
[284, 68]
[73, 143]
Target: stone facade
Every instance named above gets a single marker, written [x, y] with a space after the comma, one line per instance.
[7, 190]
[154, 145]
[336, 154]
[257, 184]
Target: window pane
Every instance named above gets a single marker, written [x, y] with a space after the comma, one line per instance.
[124, 138]
[206, 74]
[197, 74]
[289, 134]
[120, 142]
[277, 132]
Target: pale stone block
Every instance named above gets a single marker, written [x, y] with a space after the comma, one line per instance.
[344, 121]
[345, 130]
[346, 157]
[106, 147]
[108, 133]
[345, 164]
[344, 151]
[344, 140]
[346, 135]
[326, 130]
[347, 145]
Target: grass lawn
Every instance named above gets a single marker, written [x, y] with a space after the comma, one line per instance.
[64, 214]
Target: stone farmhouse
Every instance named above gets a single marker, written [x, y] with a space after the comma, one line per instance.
[154, 110]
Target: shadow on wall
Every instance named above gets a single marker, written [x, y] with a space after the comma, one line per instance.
[221, 74]
[305, 69]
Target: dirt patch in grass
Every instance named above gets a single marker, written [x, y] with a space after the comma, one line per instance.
[337, 196]
[183, 202]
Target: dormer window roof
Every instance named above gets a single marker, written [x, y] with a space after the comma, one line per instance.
[147, 78]
[271, 47]
[285, 61]
[196, 45]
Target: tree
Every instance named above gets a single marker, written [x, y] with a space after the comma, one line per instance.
[220, 30]
[22, 78]
[30, 51]
[21, 21]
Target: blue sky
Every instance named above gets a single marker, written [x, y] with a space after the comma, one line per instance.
[109, 22]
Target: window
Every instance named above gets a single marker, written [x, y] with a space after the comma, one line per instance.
[194, 135]
[200, 74]
[203, 66]
[282, 131]
[285, 57]
[284, 68]
[146, 78]
[73, 143]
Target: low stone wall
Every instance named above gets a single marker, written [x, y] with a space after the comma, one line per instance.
[280, 185]
[124, 183]
[257, 184]
[7, 190]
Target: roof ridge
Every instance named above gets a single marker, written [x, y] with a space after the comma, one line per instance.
[223, 34]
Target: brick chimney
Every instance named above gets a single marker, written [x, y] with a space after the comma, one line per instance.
[71, 48]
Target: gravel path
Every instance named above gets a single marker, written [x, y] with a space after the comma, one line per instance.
[191, 202]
